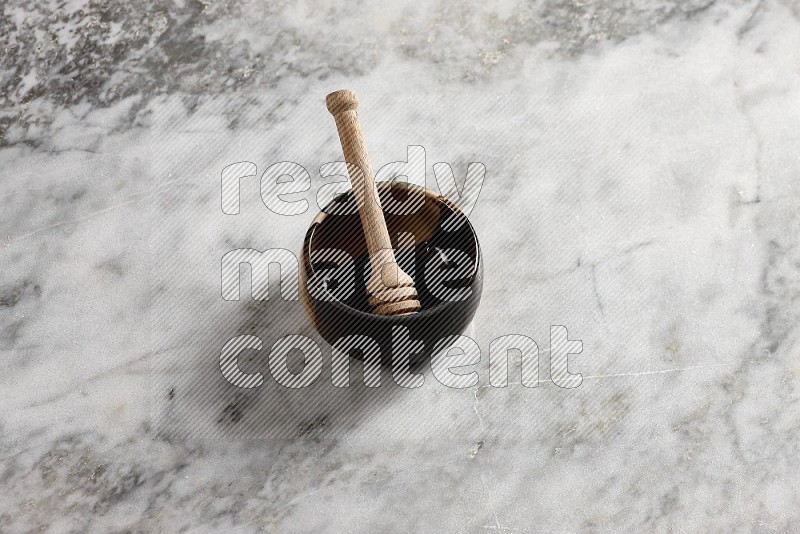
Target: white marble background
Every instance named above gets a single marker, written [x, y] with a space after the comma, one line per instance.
[643, 165]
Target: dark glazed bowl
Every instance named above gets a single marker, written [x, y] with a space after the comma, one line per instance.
[434, 243]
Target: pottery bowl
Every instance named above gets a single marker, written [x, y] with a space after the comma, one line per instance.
[434, 242]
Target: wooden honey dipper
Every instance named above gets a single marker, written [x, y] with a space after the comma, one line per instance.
[390, 291]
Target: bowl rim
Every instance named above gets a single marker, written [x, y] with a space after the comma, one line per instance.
[435, 310]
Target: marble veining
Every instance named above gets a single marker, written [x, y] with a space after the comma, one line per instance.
[641, 189]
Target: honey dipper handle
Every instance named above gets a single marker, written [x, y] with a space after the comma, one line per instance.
[342, 105]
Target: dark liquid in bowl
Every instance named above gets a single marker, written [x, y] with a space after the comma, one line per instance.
[445, 271]
[441, 261]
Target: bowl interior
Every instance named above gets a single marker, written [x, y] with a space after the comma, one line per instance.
[433, 240]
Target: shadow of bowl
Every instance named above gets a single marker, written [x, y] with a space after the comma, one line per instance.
[434, 243]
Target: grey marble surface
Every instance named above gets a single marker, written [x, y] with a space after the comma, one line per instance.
[642, 188]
